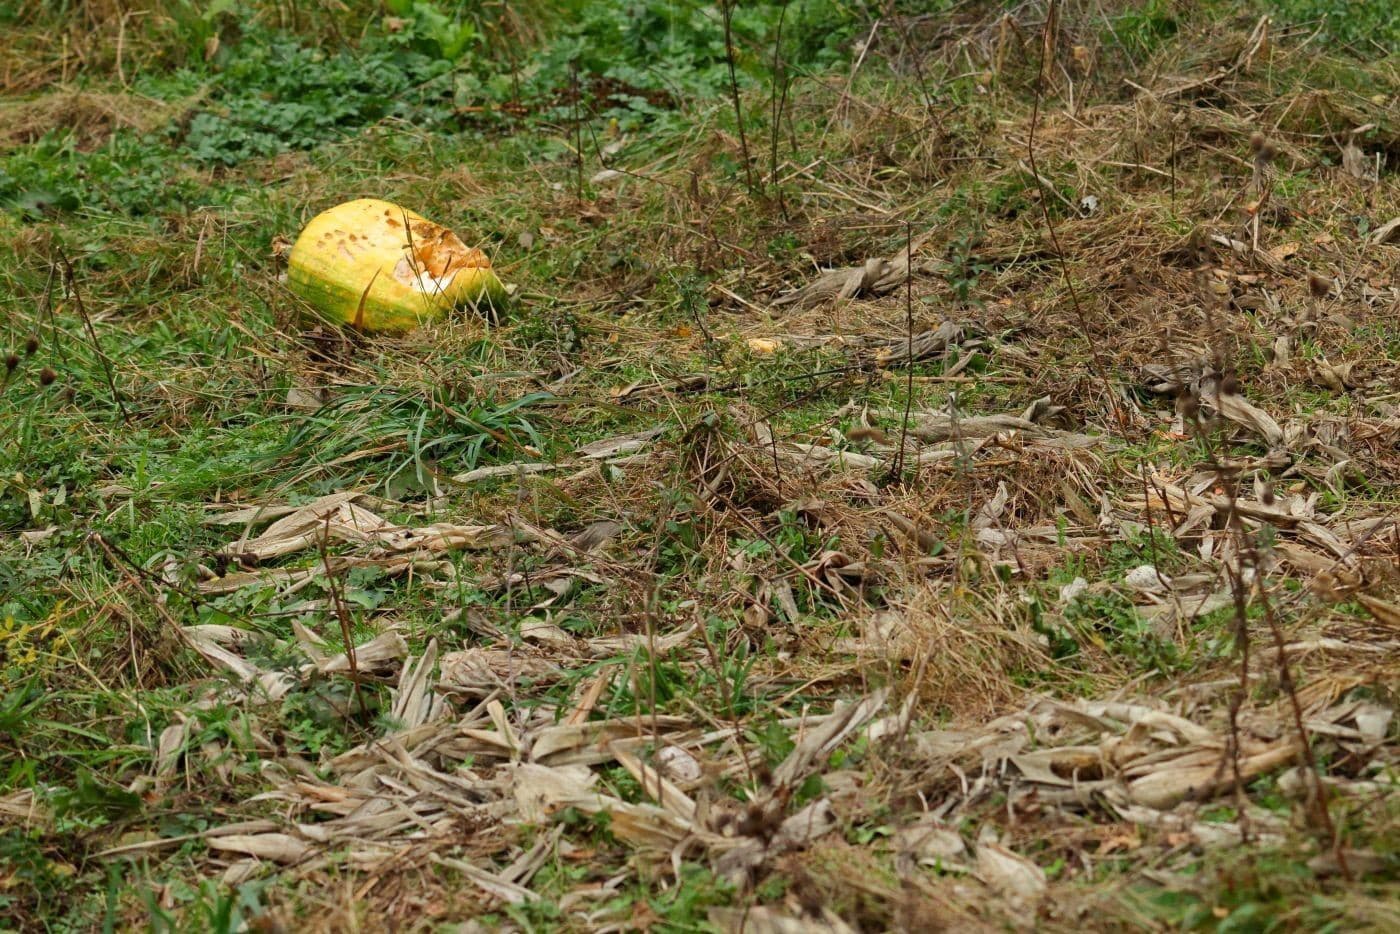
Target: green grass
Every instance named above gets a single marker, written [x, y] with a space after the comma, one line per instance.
[1363, 29]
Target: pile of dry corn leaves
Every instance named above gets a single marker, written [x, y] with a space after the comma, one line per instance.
[475, 752]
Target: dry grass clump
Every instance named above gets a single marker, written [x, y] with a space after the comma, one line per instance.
[90, 116]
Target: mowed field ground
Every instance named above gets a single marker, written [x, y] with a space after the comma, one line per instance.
[938, 469]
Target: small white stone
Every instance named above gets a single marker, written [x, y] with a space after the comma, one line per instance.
[678, 765]
[1147, 579]
[1073, 589]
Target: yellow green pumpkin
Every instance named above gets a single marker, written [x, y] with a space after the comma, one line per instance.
[382, 268]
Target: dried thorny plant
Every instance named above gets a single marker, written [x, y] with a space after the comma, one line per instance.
[342, 616]
[726, 10]
[1047, 56]
[1248, 568]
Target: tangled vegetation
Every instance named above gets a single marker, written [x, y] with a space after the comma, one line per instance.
[938, 469]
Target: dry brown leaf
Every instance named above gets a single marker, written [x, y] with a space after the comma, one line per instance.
[1063, 766]
[760, 919]
[1357, 863]
[874, 277]
[1241, 411]
[414, 703]
[658, 787]
[821, 738]
[496, 471]
[678, 765]
[23, 809]
[900, 351]
[489, 882]
[621, 445]
[1386, 232]
[329, 517]
[1355, 163]
[940, 427]
[929, 842]
[370, 657]
[1010, 874]
[341, 518]
[1382, 612]
[277, 847]
[745, 854]
[644, 825]
[483, 671]
[595, 741]
[1171, 784]
[539, 789]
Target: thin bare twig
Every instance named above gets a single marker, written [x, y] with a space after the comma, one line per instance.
[1051, 24]
[897, 466]
[71, 282]
[342, 613]
[727, 13]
